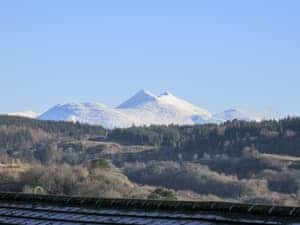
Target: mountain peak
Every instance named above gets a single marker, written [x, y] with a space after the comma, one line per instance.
[232, 113]
[144, 108]
[139, 98]
[231, 110]
[166, 93]
[145, 93]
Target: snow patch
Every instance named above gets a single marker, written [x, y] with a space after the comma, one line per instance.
[27, 114]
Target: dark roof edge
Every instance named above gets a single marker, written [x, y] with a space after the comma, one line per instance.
[152, 205]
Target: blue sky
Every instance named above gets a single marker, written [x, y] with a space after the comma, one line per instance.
[217, 54]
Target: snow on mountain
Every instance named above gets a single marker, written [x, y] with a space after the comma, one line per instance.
[91, 113]
[238, 114]
[163, 109]
[28, 114]
[144, 108]
[139, 98]
[184, 106]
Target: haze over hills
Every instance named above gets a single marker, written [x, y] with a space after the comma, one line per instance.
[144, 108]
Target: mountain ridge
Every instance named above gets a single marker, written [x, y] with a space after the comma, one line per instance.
[143, 108]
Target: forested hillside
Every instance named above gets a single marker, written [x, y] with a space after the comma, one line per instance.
[276, 137]
[236, 161]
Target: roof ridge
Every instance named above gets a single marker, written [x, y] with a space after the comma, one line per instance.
[141, 204]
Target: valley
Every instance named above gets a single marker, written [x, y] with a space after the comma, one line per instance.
[235, 161]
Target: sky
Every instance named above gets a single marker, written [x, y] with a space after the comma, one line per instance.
[216, 54]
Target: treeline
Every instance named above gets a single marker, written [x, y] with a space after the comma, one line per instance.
[19, 134]
[69, 129]
[276, 137]
[222, 161]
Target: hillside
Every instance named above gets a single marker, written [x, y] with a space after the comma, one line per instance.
[237, 161]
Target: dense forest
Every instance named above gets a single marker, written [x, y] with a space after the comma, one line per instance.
[276, 137]
[236, 161]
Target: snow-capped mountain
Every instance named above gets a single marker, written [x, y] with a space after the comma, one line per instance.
[162, 109]
[138, 99]
[144, 108]
[91, 113]
[28, 114]
[238, 114]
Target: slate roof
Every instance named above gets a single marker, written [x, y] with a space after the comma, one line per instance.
[62, 210]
